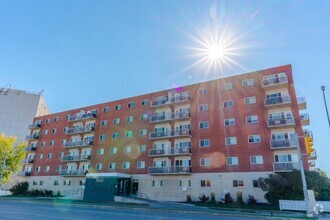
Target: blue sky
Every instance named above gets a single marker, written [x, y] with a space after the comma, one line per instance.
[87, 52]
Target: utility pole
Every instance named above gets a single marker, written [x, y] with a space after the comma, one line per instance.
[325, 103]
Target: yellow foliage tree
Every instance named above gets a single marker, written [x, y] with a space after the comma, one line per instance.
[11, 155]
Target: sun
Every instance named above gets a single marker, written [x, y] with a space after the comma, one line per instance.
[215, 51]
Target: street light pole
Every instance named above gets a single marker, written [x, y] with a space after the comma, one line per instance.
[325, 103]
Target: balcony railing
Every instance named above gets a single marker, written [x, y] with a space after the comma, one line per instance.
[24, 173]
[169, 151]
[169, 170]
[311, 163]
[304, 119]
[170, 134]
[72, 172]
[277, 101]
[276, 122]
[284, 167]
[169, 101]
[169, 116]
[31, 148]
[32, 137]
[308, 133]
[34, 125]
[273, 80]
[27, 160]
[78, 130]
[312, 156]
[301, 103]
[69, 158]
[78, 144]
[81, 117]
[282, 144]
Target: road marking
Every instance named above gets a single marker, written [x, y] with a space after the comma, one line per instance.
[38, 215]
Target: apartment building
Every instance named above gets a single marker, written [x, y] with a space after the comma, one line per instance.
[218, 137]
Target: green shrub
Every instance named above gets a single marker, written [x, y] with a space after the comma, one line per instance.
[189, 198]
[20, 189]
[36, 192]
[203, 198]
[251, 200]
[239, 198]
[228, 199]
[213, 198]
[49, 193]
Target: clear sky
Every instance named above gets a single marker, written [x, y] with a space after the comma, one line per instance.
[87, 52]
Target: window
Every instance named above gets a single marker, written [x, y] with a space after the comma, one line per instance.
[204, 142]
[60, 155]
[58, 167]
[105, 109]
[256, 183]
[102, 137]
[67, 182]
[144, 102]
[229, 121]
[250, 100]
[56, 183]
[116, 121]
[104, 123]
[42, 144]
[49, 155]
[205, 183]
[40, 156]
[125, 165]
[256, 159]
[143, 117]
[185, 183]
[140, 164]
[130, 105]
[128, 133]
[46, 168]
[202, 91]
[34, 183]
[47, 120]
[127, 149]
[38, 169]
[141, 148]
[56, 119]
[113, 150]
[283, 158]
[254, 139]
[238, 183]
[92, 111]
[65, 128]
[53, 130]
[227, 86]
[45, 132]
[51, 143]
[129, 119]
[251, 119]
[228, 103]
[232, 160]
[230, 140]
[63, 141]
[205, 162]
[100, 151]
[41, 182]
[247, 82]
[115, 135]
[112, 166]
[117, 107]
[99, 166]
[67, 117]
[82, 182]
[157, 183]
[142, 132]
[203, 124]
[203, 108]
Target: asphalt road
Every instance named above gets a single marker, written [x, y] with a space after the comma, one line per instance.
[26, 210]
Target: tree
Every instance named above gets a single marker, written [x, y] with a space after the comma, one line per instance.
[11, 155]
[288, 185]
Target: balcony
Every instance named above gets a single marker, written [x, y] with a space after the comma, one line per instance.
[31, 148]
[301, 103]
[170, 101]
[170, 134]
[169, 170]
[72, 172]
[81, 117]
[27, 161]
[80, 130]
[308, 133]
[169, 117]
[311, 163]
[280, 122]
[169, 152]
[285, 167]
[32, 137]
[24, 173]
[283, 144]
[304, 119]
[274, 81]
[76, 158]
[312, 156]
[78, 144]
[34, 126]
[282, 100]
